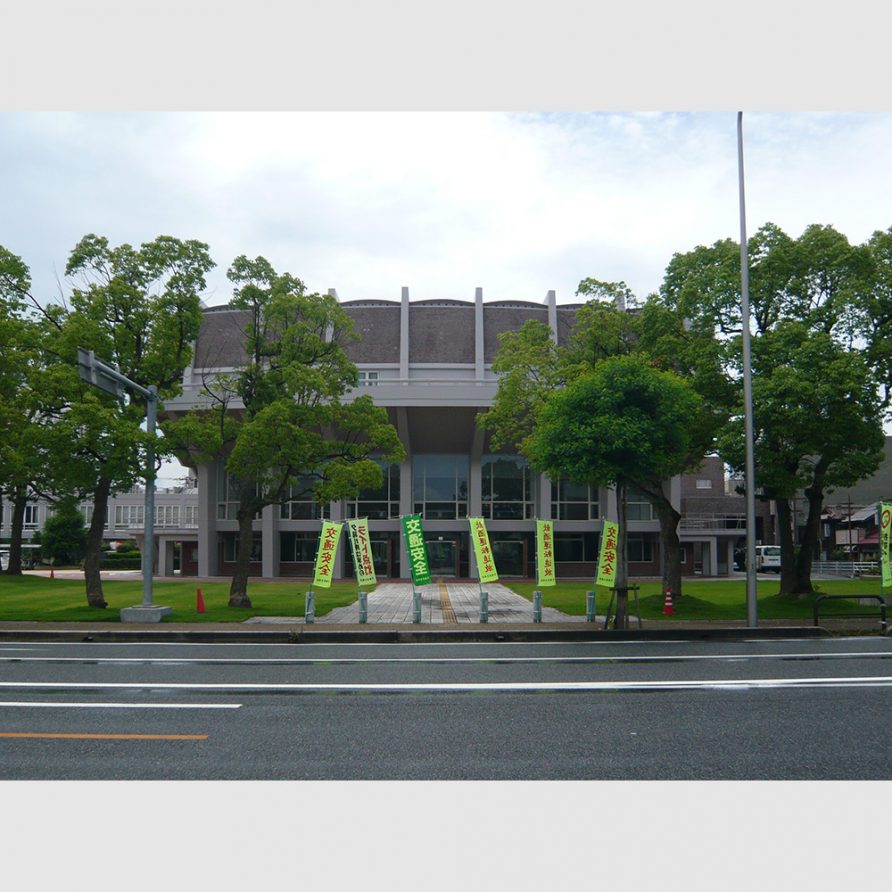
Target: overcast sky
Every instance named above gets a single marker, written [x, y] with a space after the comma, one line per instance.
[441, 202]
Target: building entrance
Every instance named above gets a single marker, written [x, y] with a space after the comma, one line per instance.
[442, 557]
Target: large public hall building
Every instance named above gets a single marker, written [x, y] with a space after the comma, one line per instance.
[429, 363]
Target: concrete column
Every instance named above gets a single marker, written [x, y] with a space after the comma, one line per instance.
[269, 527]
[612, 509]
[478, 334]
[475, 477]
[404, 335]
[551, 303]
[543, 506]
[207, 520]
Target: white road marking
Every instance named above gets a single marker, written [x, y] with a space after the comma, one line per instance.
[458, 687]
[309, 661]
[27, 703]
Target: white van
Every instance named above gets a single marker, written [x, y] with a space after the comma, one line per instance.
[768, 558]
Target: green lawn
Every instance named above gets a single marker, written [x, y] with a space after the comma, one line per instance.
[709, 599]
[40, 599]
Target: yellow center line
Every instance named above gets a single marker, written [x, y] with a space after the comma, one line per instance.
[30, 734]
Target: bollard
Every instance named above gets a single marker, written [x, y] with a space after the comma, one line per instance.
[484, 607]
[363, 607]
[589, 607]
[309, 607]
[537, 607]
[416, 606]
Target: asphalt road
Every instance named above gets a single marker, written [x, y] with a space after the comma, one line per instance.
[796, 709]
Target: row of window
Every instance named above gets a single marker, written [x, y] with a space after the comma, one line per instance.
[568, 547]
[440, 492]
[126, 516]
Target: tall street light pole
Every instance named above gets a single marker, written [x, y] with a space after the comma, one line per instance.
[108, 378]
[750, 471]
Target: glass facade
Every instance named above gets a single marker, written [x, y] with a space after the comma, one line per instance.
[441, 486]
[507, 484]
[574, 501]
[299, 503]
[382, 503]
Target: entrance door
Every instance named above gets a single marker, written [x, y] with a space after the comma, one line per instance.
[442, 557]
[509, 557]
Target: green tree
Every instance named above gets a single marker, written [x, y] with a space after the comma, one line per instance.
[811, 349]
[138, 309]
[531, 367]
[64, 537]
[282, 422]
[621, 423]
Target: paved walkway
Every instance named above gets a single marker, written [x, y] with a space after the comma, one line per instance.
[441, 604]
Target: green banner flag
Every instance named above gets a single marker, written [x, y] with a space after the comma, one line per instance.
[486, 565]
[885, 525]
[418, 564]
[325, 556]
[545, 553]
[362, 551]
[607, 560]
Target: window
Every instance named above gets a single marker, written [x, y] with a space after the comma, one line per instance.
[129, 516]
[637, 505]
[32, 516]
[368, 379]
[228, 495]
[441, 486]
[574, 547]
[300, 504]
[230, 548]
[87, 513]
[574, 501]
[191, 516]
[704, 484]
[507, 488]
[298, 547]
[382, 503]
[640, 548]
[167, 515]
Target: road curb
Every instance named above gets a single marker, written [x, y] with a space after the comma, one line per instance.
[407, 635]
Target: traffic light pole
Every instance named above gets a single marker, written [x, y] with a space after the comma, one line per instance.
[108, 378]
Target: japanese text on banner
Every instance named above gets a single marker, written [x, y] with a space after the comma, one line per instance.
[486, 564]
[325, 556]
[545, 551]
[608, 558]
[885, 528]
[362, 551]
[417, 550]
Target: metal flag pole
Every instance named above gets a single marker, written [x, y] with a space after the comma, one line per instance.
[750, 472]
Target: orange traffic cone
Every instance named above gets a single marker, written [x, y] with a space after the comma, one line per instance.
[667, 606]
[199, 605]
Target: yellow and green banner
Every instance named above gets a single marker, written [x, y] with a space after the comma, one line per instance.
[325, 555]
[544, 553]
[885, 526]
[362, 551]
[418, 563]
[486, 565]
[607, 560]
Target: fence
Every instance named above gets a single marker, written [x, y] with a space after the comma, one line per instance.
[851, 569]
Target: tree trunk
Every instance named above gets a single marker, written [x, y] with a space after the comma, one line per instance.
[788, 560]
[19, 500]
[815, 496]
[621, 586]
[93, 555]
[669, 519]
[238, 590]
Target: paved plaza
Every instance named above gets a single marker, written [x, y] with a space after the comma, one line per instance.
[442, 603]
